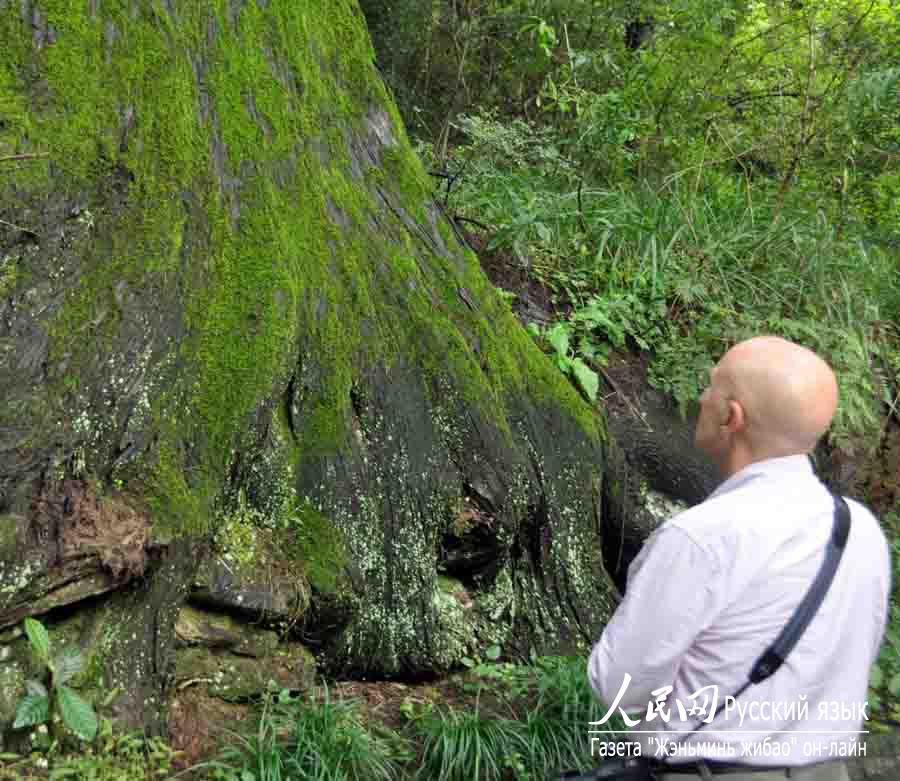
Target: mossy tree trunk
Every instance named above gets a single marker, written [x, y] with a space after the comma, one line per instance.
[221, 274]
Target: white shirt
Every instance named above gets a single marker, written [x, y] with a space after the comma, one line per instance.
[713, 587]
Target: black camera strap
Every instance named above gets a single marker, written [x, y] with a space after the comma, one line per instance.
[773, 657]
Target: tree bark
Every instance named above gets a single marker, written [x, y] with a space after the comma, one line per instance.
[222, 274]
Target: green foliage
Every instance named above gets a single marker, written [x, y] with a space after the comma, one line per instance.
[463, 745]
[559, 337]
[884, 683]
[734, 175]
[535, 722]
[39, 702]
[312, 739]
[527, 721]
[686, 270]
[117, 757]
[39, 639]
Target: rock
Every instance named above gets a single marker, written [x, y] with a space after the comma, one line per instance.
[257, 592]
[219, 631]
[233, 678]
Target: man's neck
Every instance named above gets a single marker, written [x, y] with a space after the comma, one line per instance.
[740, 458]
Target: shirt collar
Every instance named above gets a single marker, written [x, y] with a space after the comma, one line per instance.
[770, 467]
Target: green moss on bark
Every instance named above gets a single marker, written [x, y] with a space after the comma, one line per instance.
[249, 217]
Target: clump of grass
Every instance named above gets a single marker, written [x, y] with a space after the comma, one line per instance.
[557, 725]
[309, 740]
[461, 746]
[537, 724]
[527, 722]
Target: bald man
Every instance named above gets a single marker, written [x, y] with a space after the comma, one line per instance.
[713, 587]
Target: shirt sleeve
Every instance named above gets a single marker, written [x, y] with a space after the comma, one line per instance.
[669, 601]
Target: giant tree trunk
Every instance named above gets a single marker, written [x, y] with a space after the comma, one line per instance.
[222, 275]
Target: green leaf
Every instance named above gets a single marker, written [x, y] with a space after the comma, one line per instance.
[894, 685]
[32, 710]
[39, 639]
[493, 653]
[36, 689]
[67, 664]
[558, 336]
[77, 713]
[875, 677]
[587, 378]
[108, 699]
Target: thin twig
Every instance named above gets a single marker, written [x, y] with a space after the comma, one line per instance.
[734, 102]
[894, 410]
[460, 218]
[678, 174]
[571, 57]
[743, 167]
[580, 210]
[614, 385]
[18, 227]
[28, 156]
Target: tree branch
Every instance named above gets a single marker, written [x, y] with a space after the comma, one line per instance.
[29, 156]
[18, 227]
[460, 218]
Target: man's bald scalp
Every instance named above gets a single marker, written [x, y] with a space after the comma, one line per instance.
[788, 393]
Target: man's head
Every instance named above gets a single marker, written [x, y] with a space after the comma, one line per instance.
[767, 398]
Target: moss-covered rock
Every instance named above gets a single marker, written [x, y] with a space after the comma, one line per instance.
[234, 677]
[217, 630]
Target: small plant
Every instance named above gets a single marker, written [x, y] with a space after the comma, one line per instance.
[117, 757]
[39, 701]
[559, 336]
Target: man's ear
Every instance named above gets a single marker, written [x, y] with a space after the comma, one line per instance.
[736, 419]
